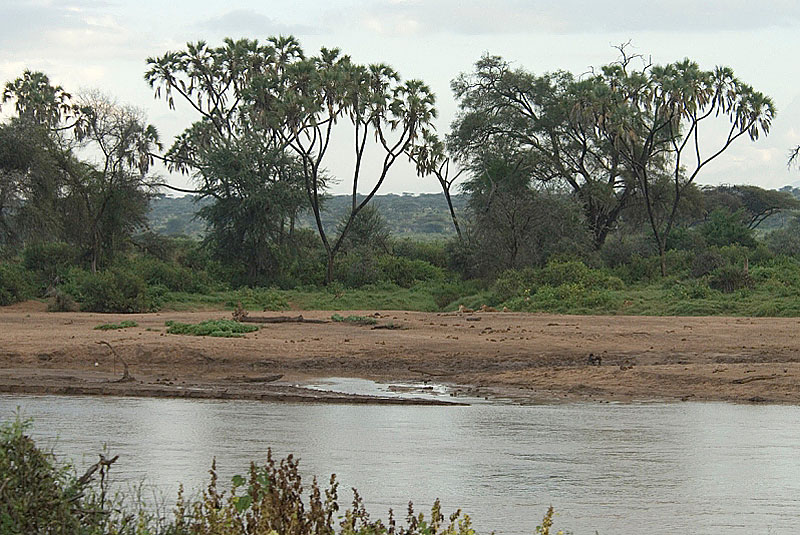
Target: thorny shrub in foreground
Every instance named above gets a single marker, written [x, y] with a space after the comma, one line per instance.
[270, 502]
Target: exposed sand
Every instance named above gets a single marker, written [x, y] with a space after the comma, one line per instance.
[526, 357]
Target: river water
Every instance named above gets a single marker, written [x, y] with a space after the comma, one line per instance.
[613, 468]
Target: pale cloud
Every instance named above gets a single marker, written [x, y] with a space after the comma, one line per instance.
[475, 17]
[250, 22]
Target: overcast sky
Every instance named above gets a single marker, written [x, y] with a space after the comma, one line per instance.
[84, 44]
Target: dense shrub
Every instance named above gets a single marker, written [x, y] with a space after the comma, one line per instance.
[171, 275]
[115, 290]
[785, 241]
[60, 301]
[619, 249]
[37, 495]
[705, 262]
[686, 239]
[779, 276]
[648, 269]
[433, 252]
[50, 261]
[260, 298]
[445, 293]
[514, 282]
[361, 268]
[730, 278]
[688, 289]
[15, 284]
[560, 286]
[726, 228]
[558, 273]
[404, 272]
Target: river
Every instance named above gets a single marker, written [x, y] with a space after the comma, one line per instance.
[614, 468]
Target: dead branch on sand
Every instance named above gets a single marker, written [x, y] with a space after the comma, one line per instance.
[126, 376]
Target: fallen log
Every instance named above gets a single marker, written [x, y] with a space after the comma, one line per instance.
[259, 379]
[753, 378]
[279, 319]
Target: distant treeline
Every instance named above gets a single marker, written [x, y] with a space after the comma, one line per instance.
[423, 216]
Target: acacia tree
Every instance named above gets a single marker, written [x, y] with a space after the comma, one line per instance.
[516, 222]
[535, 114]
[653, 116]
[757, 203]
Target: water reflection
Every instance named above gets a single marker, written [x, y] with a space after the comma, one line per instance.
[656, 468]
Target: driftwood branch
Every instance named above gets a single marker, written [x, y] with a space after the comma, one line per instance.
[103, 462]
[753, 378]
[126, 376]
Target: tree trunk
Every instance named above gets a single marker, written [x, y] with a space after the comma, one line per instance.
[329, 273]
[452, 212]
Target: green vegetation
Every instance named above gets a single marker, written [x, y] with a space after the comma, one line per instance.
[39, 495]
[213, 328]
[575, 192]
[114, 326]
[359, 320]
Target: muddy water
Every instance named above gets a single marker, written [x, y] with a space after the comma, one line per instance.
[643, 468]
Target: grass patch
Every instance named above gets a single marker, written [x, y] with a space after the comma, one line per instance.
[114, 326]
[358, 320]
[213, 328]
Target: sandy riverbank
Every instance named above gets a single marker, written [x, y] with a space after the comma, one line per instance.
[538, 358]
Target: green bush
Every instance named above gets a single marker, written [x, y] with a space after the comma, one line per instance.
[361, 268]
[648, 268]
[50, 261]
[514, 282]
[36, 494]
[568, 298]
[729, 278]
[686, 239]
[115, 291]
[433, 252]
[727, 228]
[556, 274]
[688, 289]
[170, 275]
[785, 241]
[706, 261]
[779, 277]
[116, 326]
[446, 292]
[619, 249]
[404, 272]
[258, 298]
[213, 328]
[15, 284]
[358, 320]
